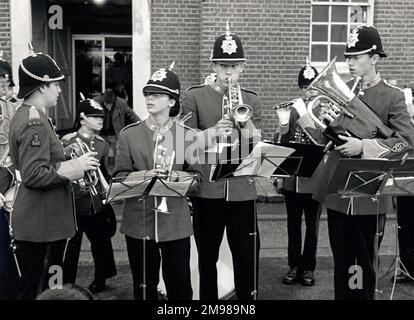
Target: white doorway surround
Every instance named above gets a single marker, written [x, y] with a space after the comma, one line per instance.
[21, 33]
[141, 52]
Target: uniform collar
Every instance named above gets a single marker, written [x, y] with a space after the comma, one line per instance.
[217, 88]
[154, 127]
[86, 135]
[372, 82]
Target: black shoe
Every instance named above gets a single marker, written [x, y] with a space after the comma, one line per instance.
[291, 276]
[402, 277]
[97, 286]
[307, 278]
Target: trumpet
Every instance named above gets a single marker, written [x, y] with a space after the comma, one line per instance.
[165, 163]
[92, 177]
[233, 106]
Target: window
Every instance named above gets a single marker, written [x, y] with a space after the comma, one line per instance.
[331, 23]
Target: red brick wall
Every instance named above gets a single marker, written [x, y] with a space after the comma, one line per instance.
[5, 39]
[395, 23]
[274, 33]
[175, 34]
[275, 36]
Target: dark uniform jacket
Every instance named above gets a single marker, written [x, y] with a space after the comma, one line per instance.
[293, 133]
[122, 114]
[136, 145]
[205, 105]
[388, 102]
[43, 210]
[97, 144]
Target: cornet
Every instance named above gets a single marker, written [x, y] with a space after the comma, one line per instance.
[165, 163]
[233, 106]
[92, 177]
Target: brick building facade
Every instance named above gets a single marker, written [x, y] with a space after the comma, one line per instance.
[276, 39]
[5, 38]
[276, 35]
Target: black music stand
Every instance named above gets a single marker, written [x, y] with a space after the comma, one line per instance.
[299, 160]
[125, 188]
[372, 178]
[302, 162]
[225, 172]
[250, 167]
[398, 183]
[263, 157]
[143, 187]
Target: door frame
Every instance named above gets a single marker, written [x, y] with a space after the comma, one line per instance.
[93, 37]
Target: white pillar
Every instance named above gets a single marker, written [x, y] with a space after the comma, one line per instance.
[21, 33]
[141, 53]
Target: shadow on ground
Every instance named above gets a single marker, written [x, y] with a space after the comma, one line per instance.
[270, 285]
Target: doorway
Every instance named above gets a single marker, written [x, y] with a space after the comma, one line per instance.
[101, 62]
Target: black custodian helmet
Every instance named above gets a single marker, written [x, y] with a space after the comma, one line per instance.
[227, 49]
[363, 40]
[90, 108]
[165, 81]
[306, 75]
[36, 70]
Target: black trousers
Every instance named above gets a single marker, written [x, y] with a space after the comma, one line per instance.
[101, 248]
[405, 218]
[211, 217]
[296, 205]
[35, 260]
[8, 270]
[175, 268]
[353, 242]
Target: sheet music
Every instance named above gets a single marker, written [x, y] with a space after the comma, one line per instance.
[163, 188]
[127, 189]
[252, 165]
[134, 185]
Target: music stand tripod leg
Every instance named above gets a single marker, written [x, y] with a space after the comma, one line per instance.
[144, 255]
[376, 248]
[254, 234]
[399, 265]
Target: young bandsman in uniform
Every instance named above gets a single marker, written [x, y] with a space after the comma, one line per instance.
[353, 229]
[298, 195]
[228, 204]
[89, 214]
[43, 214]
[167, 235]
[8, 106]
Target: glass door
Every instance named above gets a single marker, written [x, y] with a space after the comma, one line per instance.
[88, 66]
[99, 62]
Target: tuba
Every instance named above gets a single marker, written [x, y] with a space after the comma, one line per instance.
[233, 106]
[346, 114]
[163, 162]
[92, 177]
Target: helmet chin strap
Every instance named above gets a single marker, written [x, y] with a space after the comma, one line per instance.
[91, 123]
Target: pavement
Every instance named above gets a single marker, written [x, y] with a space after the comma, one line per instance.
[273, 260]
